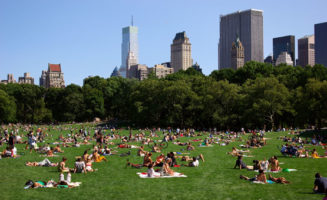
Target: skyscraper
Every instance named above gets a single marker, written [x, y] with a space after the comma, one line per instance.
[237, 54]
[306, 51]
[285, 43]
[321, 43]
[180, 52]
[248, 26]
[129, 44]
[130, 61]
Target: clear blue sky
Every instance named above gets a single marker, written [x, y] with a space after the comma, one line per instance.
[85, 35]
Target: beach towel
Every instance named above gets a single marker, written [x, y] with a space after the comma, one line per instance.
[176, 175]
[205, 145]
[260, 182]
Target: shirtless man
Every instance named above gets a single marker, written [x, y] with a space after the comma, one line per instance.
[260, 177]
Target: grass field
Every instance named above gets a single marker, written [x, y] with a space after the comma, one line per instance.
[213, 179]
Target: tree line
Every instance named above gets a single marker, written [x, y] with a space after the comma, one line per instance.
[258, 95]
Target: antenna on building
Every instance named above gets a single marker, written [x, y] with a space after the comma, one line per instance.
[132, 21]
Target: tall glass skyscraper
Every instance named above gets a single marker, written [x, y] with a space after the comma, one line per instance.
[248, 26]
[129, 43]
[285, 43]
[321, 43]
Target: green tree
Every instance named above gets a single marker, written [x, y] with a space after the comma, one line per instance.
[7, 108]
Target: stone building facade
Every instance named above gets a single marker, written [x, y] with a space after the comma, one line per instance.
[181, 53]
[237, 54]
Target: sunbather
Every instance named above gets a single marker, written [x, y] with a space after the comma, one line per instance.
[260, 177]
[43, 163]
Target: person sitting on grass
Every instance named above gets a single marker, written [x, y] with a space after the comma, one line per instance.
[264, 164]
[88, 165]
[85, 156]
[261, 177]
[97, 158]
[155, 148]
[151, 173]
[240, 164]
[320, 184]
[141, 152]
[79, 166]
[193, 163]
[190, 147]
[62, 166]
[281, 180]
[146, 162]
[43, 163]
[57, 149]
[166, 170]
[256, 165]
[274, 164]
[159, 161]
[315, 154]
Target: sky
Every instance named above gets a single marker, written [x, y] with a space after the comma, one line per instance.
[85, 36]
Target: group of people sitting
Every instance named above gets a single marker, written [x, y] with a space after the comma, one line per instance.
[265, 165]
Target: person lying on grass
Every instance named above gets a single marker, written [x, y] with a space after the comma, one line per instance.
[237, 152]
[43, 163]
[188, 158]
[261, 177]
[281, 180]
[240, 164]
[320, 184]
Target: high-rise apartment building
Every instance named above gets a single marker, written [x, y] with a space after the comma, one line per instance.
[284, 58]
[161, 71]
[306, 51]
[43, 78]
[129, 44]
[237, 54]
[138, 71]
[248, 26]
[26, 79]
[53, 78]
[282, 44]
[321, 43]
[180, 55]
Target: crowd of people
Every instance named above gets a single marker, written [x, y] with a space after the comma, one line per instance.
[109, 142]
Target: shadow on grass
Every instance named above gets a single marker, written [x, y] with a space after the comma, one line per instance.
[311, 133]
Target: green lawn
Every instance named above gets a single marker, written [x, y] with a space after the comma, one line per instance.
[213, 179]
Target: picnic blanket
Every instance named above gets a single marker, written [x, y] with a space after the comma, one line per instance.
[176, 175]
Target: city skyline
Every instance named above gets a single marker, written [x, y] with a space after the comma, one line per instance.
[85, 36]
